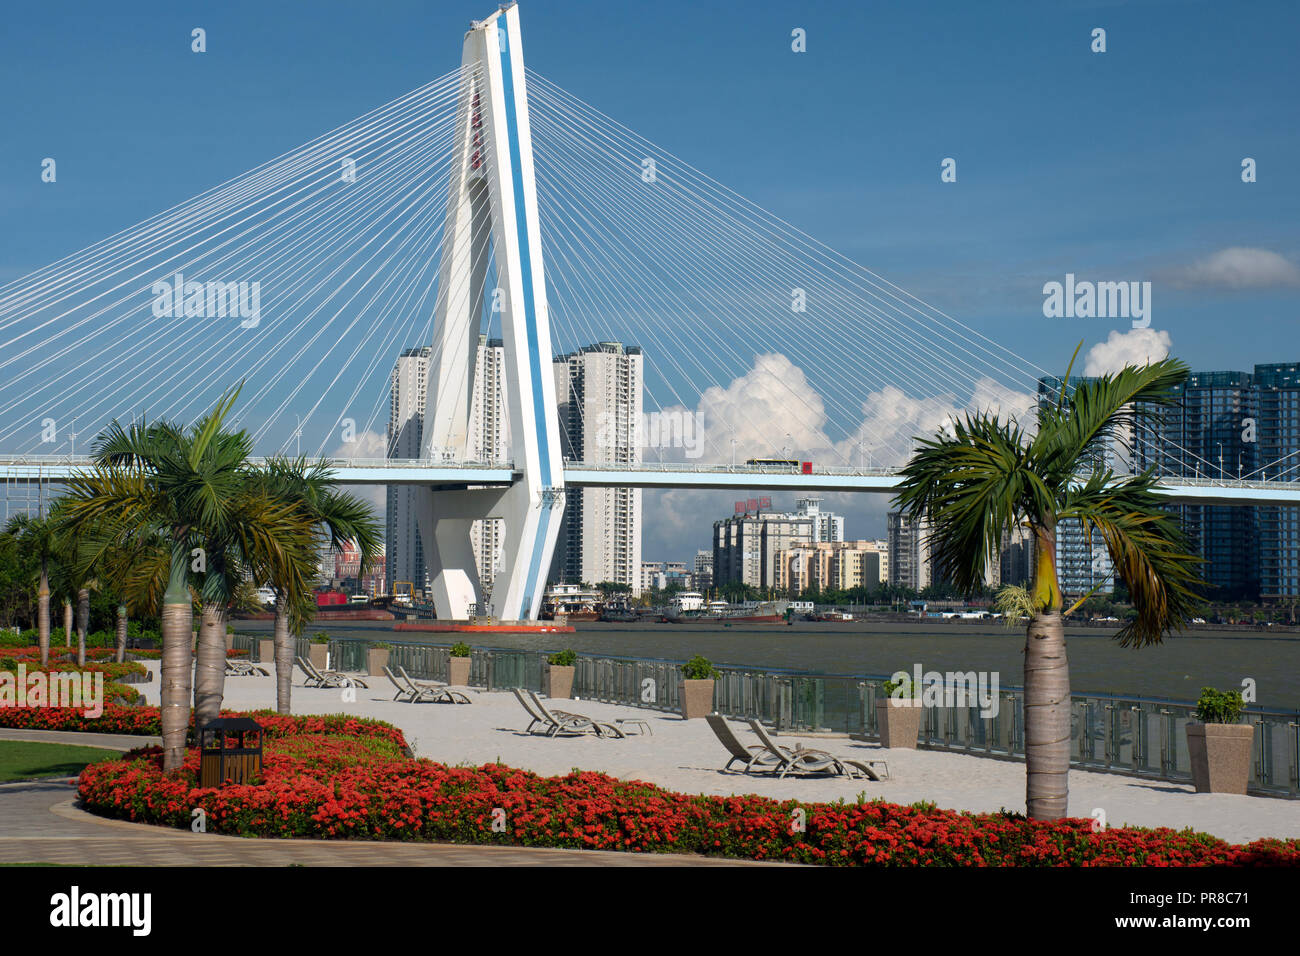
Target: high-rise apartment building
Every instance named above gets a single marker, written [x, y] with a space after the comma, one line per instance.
[746, 545]
[599, 394]
[1201, 437]
[1235, 425]
[1277, 390]
[909, 556]
[488, 439]
[403, 550]
[826, 526]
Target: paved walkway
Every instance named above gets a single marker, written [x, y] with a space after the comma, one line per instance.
[40, 824]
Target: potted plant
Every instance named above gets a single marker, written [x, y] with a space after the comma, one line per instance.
[377, 658]
[899, 713]
[696, 688]
[458, 666]
[559, 674]
[1219, 744]
[319, 651]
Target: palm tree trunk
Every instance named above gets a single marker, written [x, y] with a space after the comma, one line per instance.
[1047, 689]
[120, 656]
[83, 621]
[177, 661]
[67, 623]
[284, 647]
[210, 675]
[1047, 718]
[43, 615]
[177, 665]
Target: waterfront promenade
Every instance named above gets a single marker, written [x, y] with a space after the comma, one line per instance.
[685, 756]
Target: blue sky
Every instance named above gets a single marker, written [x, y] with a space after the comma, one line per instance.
[1121, 165]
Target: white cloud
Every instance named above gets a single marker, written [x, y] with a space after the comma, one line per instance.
[1134, 347]
[1239, 267]
[759, 410]
[774, 400]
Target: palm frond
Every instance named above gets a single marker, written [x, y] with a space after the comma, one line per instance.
[1146, 547]
[972, 486]
[1098, 412]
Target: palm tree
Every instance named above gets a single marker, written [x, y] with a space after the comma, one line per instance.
[36, 537]
[156, 477]
[194, 490]
[337, 515]
[988, 476]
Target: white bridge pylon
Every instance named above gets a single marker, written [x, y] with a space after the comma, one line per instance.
[493, 195]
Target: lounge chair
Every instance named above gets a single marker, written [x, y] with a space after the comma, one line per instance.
[563, 723]
[553, 729]
[242, 668]
[420, 684]
[755, 756]
[802, 759]
[412, 693]
[317, 678]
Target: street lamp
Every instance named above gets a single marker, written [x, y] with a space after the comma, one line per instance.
[1222, 473]
[297, 437]
[733, 453]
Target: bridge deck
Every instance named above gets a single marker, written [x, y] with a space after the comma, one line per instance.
[33, 468]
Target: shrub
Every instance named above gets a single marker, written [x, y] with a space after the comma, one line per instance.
[906, 684]
[460, 649]
[1219, 707]
[381, 646]
[699, 668]
[320, 637]
[336, 778]
[563, 658]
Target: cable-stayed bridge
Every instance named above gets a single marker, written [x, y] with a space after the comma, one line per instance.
[490, 204]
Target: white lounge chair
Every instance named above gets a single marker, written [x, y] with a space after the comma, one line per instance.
[559, 722]
[755, 756]
[414, 693]
[317, 678]
[802, 759]
[236, 667]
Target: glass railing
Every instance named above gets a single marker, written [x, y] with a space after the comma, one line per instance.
[1140, 736]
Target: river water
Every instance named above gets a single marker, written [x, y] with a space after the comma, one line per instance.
[1176, 669]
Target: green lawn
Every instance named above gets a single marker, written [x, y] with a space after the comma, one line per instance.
[20, 760]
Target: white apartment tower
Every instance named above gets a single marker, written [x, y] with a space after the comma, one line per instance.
[488, 440]
[404, 554]
[598, 392]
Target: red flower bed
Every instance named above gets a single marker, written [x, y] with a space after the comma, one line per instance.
[330, 783]
[146, 721]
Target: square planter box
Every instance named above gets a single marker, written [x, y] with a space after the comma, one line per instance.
[1220, 756]
[266, 652]
[376, 661]
[696, 697]
[899, 722]
[318, 654]
[230, 642]
[559, 682]
[458, 671]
